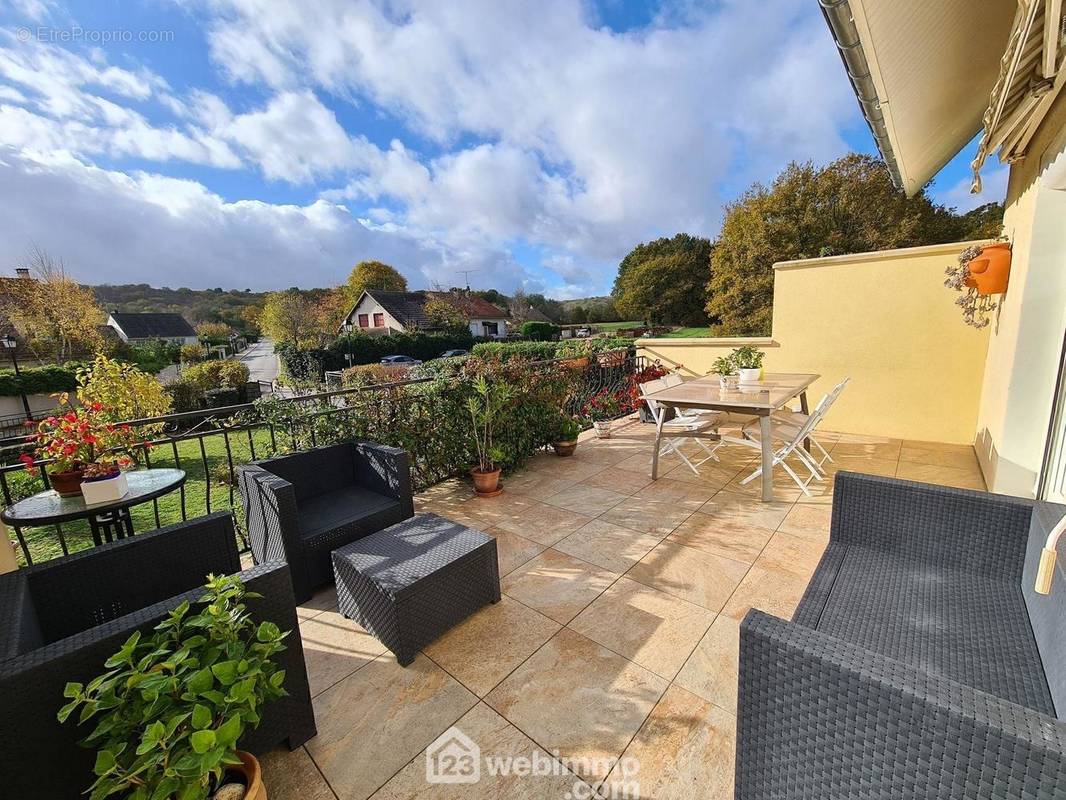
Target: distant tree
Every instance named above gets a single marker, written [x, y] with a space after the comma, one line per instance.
[213, 330]
[445, 316]
[55, 316]
[552, 309]
[537, 331]
[848, 206]
[578, 315]
[331, 306]
[664, 281]
[374, 275]
[289, 317]
[604, 312]
[519, 307]
[983, 222]
[491, 295]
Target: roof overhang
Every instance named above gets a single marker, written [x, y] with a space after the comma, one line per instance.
[923, 71]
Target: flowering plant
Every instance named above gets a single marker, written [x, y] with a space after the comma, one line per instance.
[603, 406]
[632, 399]
[81, 436]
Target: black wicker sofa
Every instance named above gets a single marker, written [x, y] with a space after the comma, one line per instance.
[60, 620]
[920, 662]
[301, 507]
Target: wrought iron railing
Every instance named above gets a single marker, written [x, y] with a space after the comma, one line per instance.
[210, 444]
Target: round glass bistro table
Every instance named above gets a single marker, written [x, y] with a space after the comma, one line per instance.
[107, 521]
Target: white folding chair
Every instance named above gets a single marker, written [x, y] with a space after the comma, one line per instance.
[787, 447]
[682, 428]
[789, 419]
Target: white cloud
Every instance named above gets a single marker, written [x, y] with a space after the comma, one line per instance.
[111, 227]
[993, 189]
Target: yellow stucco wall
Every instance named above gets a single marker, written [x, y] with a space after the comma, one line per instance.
[1027, 334]
[885, 320]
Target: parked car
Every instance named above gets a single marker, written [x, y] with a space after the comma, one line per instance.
[583, 333]
[400, 361]
[454, 353]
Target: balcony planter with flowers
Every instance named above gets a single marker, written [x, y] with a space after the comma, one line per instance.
[486, 404]
[103, 483]
[601, 408]
[78, 437]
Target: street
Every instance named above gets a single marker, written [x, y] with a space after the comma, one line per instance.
[261, 362]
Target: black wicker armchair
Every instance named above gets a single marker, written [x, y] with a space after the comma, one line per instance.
[301, 507]
[60, 620]
[920, 662]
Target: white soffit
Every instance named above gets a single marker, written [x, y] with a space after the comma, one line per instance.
[933, 64]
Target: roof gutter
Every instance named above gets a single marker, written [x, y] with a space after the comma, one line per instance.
[841, 23]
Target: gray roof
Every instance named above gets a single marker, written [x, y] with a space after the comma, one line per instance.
[407, 308]
[152, 326]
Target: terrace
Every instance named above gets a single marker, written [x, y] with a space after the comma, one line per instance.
[617, 635]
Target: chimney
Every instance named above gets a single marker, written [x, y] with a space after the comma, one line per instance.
[22, 272]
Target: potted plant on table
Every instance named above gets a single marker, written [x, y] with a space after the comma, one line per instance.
[488, 401]
[748, 361]
[71, 441]
[601, 409]
[566, 433]
[172, 704]
[726, 371]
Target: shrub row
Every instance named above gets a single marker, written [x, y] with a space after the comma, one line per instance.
[310, 364]
[38, 380]
[570, 348]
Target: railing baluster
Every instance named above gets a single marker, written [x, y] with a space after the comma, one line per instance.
[207, 473]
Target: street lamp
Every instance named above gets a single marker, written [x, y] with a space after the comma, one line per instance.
[11, 345]
[348, 356]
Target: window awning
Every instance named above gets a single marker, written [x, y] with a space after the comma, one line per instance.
[1030, 77]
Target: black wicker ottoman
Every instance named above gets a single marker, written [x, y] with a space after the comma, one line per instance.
[410, 583]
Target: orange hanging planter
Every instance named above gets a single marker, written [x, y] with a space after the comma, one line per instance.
[990, 270]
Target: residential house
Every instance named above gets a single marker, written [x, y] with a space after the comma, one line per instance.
[138, 328]
[383, 312]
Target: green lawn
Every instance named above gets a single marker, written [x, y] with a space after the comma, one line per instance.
[615, 326]
[201, 495]
[690, 333]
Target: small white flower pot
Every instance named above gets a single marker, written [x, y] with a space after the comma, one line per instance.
[750, 375]
[603, 429]
[105, 491]
[728, 382]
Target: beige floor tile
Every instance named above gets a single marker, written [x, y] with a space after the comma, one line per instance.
[647, 516]
[941, 476]
[774, 591]
[334, 648]
[576, 469]
[668, 490]
[376, 720]
[711, 474]
[623, 481]
[542, 523]
[292, 775]
[612, 547]
[712, 669]
[584, 499]
[885, 467]
[557, 585]
[579, 699]
[785, 489]
[652, 628]
[499, 509]
[942, 455]
[640, 462]
[537, 484]
[868, 446]
[685, 749]
[324, 599]
[497, 739]
[808, 520]
[746, 508]
[512, 550]
[481, 650]
[701, 578]
[796, 554]
[724, 537]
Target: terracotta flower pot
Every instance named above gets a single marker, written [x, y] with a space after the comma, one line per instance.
[67, 484]
[566, 448]
[990, 270]
[486, 483]
[251, 775]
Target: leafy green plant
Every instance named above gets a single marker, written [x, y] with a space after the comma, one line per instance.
[567, 429]
[748, 357]
[538, 331]
[723, 365]
[41, 380]
[488, 402]
[126, 392]
[172, 705]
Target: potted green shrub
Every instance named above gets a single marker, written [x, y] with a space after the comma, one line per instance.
[748, 361]
[566, 434]
[602, 408]
[172, 705]
[488, 401]
[726, 371]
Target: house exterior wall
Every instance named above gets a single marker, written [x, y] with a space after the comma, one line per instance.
[1027, 333]
[477, 327]
[369, 306]
[883, 319]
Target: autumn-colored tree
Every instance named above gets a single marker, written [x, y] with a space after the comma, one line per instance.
[213, 330]
[289, 317]
[664, 281]
[330, 310]
[445, 316]
[55, 316]
[848, 206]
[373, 275]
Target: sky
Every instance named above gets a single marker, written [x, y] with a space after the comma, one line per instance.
[264, 144]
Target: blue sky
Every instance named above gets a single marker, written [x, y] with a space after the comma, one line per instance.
[264, 144]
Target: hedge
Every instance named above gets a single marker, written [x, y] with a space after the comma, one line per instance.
[539, 331]
[38, 380]
[310, 364]
[570, 348]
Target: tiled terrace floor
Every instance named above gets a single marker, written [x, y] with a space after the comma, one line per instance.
[616, 635]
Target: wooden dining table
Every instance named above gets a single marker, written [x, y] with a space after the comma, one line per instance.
[759, 399]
